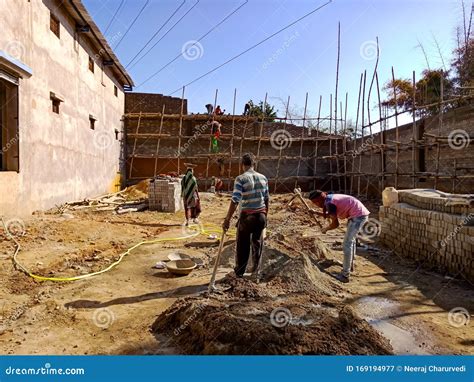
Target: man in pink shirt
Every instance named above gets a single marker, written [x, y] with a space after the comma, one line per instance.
[341, 206]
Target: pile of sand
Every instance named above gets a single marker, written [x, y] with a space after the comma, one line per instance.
[137, 191]
[291, 311]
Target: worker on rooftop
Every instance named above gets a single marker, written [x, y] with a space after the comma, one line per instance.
[218, 110]
[190, 195]
[341, 206]
[209, 108]
[251, 193]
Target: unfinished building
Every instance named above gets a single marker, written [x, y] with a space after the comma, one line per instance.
[62, 100]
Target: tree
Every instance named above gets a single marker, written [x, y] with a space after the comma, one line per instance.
[427, 91]
[463, 62]
[268, 115]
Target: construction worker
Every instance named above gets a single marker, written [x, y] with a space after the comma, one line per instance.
[215, 134]
[218, 110]
[209, 108]
[190, 195]
[341, 206]
[251, 193]
[247, 107]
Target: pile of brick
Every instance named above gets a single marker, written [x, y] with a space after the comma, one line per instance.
[165, 195]
[441, 240]
[435, 200]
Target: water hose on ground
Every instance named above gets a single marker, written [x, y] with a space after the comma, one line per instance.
[211, 229]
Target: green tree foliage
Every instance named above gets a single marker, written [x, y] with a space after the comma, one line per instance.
[269, 114]
[463, 63]
[427, 91]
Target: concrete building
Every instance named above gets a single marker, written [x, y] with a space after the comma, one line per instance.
[62, 101]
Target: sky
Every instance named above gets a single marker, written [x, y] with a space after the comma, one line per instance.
[299, 60]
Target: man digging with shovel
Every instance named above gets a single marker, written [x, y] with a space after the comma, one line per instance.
[251, 193]
[340, 206]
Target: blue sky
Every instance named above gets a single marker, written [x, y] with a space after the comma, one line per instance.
[301, 59]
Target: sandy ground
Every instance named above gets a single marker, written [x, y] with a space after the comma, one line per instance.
[113, 313]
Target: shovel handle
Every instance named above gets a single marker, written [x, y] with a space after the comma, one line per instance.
[216, 265]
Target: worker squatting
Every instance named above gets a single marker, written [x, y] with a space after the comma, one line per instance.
[251, 198]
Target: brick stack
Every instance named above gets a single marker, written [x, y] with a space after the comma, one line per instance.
[435, 200]
[438, 239]
[164, 195]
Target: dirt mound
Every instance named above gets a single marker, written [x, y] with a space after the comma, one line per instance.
[302, 274]
[200, 326]
[292, 311]
[137, 191]
[236, 288]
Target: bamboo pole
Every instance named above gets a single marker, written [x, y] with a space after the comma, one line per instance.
[381, 133]
[344, 144]
[210, 141]
[440, 125]
[159, 140]
[355, 134]
[281, 146]
[316, 142]
[180, 130]
[330, 142]
[261, 130]
[397, 136]
[302, 142]
[362, 132]
[229, 186]
[134, 146]
[414, 138]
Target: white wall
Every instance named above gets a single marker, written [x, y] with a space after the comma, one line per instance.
[61, 158]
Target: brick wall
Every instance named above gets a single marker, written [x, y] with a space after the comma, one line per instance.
[195, 148]
[427, 234]
[453, 160]
[153, 103]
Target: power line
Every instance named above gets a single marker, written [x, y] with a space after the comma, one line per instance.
[252, 47]
[133, 22]
[194, 44]
[115, 15]
[162, 37]
[154, 35]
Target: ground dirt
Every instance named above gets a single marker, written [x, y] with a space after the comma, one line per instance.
[297, 308]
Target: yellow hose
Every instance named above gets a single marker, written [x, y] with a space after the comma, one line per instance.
[202, 231]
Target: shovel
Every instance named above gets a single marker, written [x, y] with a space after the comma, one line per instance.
[212, 284]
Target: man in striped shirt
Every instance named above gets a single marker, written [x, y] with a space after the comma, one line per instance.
[251, 194]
